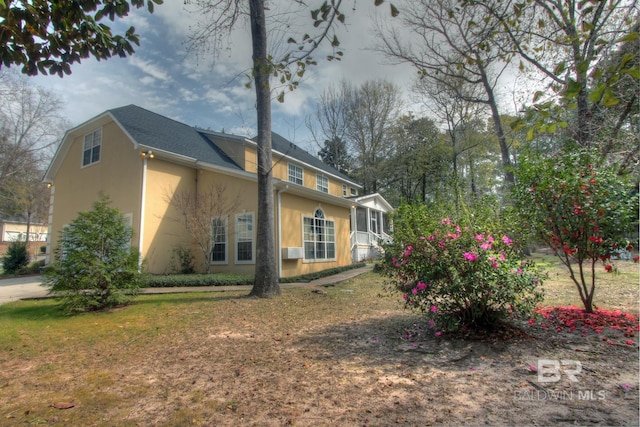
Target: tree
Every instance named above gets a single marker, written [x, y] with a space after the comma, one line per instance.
[572, 43]
[578, 205]
[95, 266]
[204, 215]
[49, 36]
[16, 257]
[371, 112]
[335, 154]
[30, 126]
[419, 165]
[453, 48]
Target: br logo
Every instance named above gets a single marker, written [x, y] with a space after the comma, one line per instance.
[550, 370]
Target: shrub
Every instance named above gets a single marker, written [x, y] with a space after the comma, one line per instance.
[95, 267]
[580, 207]
[182, 259]
[16, 258]
[462, 277]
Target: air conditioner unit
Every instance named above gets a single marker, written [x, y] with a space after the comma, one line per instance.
[292, 253]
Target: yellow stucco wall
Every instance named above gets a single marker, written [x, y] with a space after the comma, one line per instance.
[294, 208]
[118, 174]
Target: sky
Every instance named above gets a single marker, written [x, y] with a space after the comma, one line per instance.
[208, 90]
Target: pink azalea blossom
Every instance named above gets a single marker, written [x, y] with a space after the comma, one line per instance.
[479, 237]
[485, 246]
[433, 309]
[421, 286]
[470, 256]
[438, 333]
[445, 221]
[507, 241]
[414, 291]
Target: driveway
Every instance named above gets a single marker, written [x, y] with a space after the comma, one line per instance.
[20, 288]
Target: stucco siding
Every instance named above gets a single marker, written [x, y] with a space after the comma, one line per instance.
[117, 174]
[294, 208]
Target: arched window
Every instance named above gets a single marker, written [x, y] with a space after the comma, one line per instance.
[319, 237]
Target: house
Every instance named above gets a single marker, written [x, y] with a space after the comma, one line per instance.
[143, 160]
[16, 231]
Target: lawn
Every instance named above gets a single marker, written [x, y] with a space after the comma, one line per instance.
[344, 355]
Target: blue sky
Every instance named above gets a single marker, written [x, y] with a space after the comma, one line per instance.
[209, 90]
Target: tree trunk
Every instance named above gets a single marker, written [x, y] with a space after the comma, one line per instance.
[266, 275]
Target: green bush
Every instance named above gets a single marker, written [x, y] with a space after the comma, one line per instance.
[32, 268]
[16, 258]
[95, 267]
[461, 276]
[193, 280]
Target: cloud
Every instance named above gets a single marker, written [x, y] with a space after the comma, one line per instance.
[154, 70]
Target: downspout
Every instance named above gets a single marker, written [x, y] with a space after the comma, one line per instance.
[279, 245]
[143, 197]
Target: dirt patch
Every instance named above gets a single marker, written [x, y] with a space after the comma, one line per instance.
[347, 357]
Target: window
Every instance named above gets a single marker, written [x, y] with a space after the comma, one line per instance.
[219, 240]
[244, 238]
[322, 183]
[295, 174]
[354, 192]
[91, 150]
[374, 221]
[319, 237]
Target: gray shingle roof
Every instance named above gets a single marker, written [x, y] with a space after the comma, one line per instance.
[160, 132]
[156, 131]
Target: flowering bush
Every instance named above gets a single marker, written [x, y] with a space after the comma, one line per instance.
[460, 277]
[580, 207]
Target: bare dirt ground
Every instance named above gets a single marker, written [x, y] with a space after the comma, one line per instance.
[347, 355]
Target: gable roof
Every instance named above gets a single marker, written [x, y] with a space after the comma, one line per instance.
[162, 133]
[156, 132]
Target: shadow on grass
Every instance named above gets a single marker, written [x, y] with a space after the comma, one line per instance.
[399, 339]
[185, 298]
[35, 310]
[43, 309]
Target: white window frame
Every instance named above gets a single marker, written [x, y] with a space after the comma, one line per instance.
[320, 232]
[344, 190]
[354, 192]
[244, 236]
[296, 174]
[322, 183]
[224, 223]
[94, 142]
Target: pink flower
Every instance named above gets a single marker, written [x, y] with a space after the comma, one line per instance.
[507, 241]
[533, 368]
[438, 333]
[404, 297]
[445, 221]
[414, 291]
[485, 246]
[421, 286]
[470, 256]
[433, 309]
[479, 237]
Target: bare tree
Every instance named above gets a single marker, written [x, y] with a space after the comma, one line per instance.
[449, 45]
[372, 110]
[31, 125]
[204, 215]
